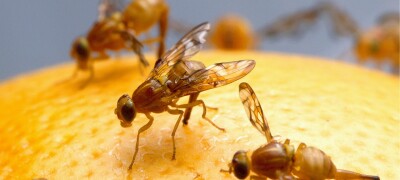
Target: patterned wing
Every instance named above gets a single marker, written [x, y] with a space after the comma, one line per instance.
[254, 110]
[213, 76]
[186, 47]
[388, 18]
[343, 24]
[301, 21]
[294, 24]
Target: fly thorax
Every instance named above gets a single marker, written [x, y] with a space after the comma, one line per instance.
[146, 91]
[270, 158]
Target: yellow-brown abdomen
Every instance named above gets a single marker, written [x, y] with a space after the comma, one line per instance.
[141, 15]
[312, 163]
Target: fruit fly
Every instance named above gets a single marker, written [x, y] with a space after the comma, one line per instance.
[175, 76]
[378, 43]
[381, 42]
[279, 160]
[117, 29]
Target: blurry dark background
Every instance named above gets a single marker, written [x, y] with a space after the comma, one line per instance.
[36, 34]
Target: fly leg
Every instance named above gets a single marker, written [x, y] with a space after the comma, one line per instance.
[200, 102]
[257, 177]
[284, 175]
[143, 128]
[230, 170]
[300, 148]
[135, 45]
[188, 111]
[102, 56]
[163, 27]
[75, 73]
[137, 48]
[151, 40]
[175, 112]
[91, 75]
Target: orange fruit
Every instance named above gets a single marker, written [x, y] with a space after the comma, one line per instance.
[50, 128]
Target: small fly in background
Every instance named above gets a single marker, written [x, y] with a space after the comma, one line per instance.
[117, 29]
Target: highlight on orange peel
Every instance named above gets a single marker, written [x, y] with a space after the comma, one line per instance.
[51, 128]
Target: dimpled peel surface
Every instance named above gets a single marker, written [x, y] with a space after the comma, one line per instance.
[51, 128]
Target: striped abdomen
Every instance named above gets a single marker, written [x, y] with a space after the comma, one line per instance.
[312, 163]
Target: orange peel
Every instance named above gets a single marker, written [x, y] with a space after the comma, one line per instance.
[50, 128]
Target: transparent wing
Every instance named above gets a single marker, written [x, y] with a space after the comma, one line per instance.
[299, 22]
[342, 22]
[134, 44]
[254, 110]
[178, 26]
[183, 69]
[186, 47]
[213, 76]
[294, 24]
[389, 17]
[107, 7]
